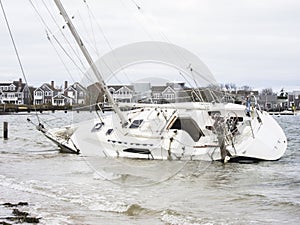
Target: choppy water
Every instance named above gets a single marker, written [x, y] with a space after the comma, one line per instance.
[71, 189]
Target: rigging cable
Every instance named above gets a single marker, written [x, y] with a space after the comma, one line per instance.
[57, 53]
[56, 40]
[18, 57]
[107, 42]
[62, 33]
[137, 6]
[179, 55]
[90, 38]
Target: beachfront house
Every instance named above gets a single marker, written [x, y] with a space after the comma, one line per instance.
[122, 93]
[76, 93]
[61, 100]
[171, 92]
[157, 94]
[15, 92]
[44, 94]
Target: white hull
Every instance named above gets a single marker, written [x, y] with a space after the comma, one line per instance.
[181, 131]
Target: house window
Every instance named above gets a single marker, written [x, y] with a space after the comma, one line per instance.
[111, 90]
[169, 96]
[48, 93]
[38, 93]
[71, 94]
[156, 95]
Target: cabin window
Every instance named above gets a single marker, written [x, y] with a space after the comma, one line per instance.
[109, 131]
[98, 126]
[136, 124]
[190, 126]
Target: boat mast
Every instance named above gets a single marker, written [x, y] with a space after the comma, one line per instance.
[90, 61]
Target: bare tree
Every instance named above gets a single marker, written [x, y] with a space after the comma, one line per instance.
[246, 88]
[267, 91]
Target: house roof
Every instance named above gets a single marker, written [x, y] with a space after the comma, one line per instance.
[168, 89]
[158, 88]
[18, 87]
[124, 87]
[117, 87]
[5, 84]
[60, 96]
[76, 86]
[46, 87]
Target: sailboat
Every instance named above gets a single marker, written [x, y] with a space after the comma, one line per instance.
[204, 129]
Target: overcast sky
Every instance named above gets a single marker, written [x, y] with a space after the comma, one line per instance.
[246, 42]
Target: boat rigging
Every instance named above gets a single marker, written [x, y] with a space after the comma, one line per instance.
[89, 59]
[204, 129]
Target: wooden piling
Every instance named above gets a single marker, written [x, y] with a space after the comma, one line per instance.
[5, 130]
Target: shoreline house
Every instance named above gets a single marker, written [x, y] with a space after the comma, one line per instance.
[70, 95]
[15, 92]
[122, 93]
[76, 93]
[141, 92]
[44, 94]
[61, 100]
[171, 92]
[162, 94]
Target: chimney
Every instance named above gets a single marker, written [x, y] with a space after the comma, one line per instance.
[20, 82]
[52, 84]
[66, 86]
